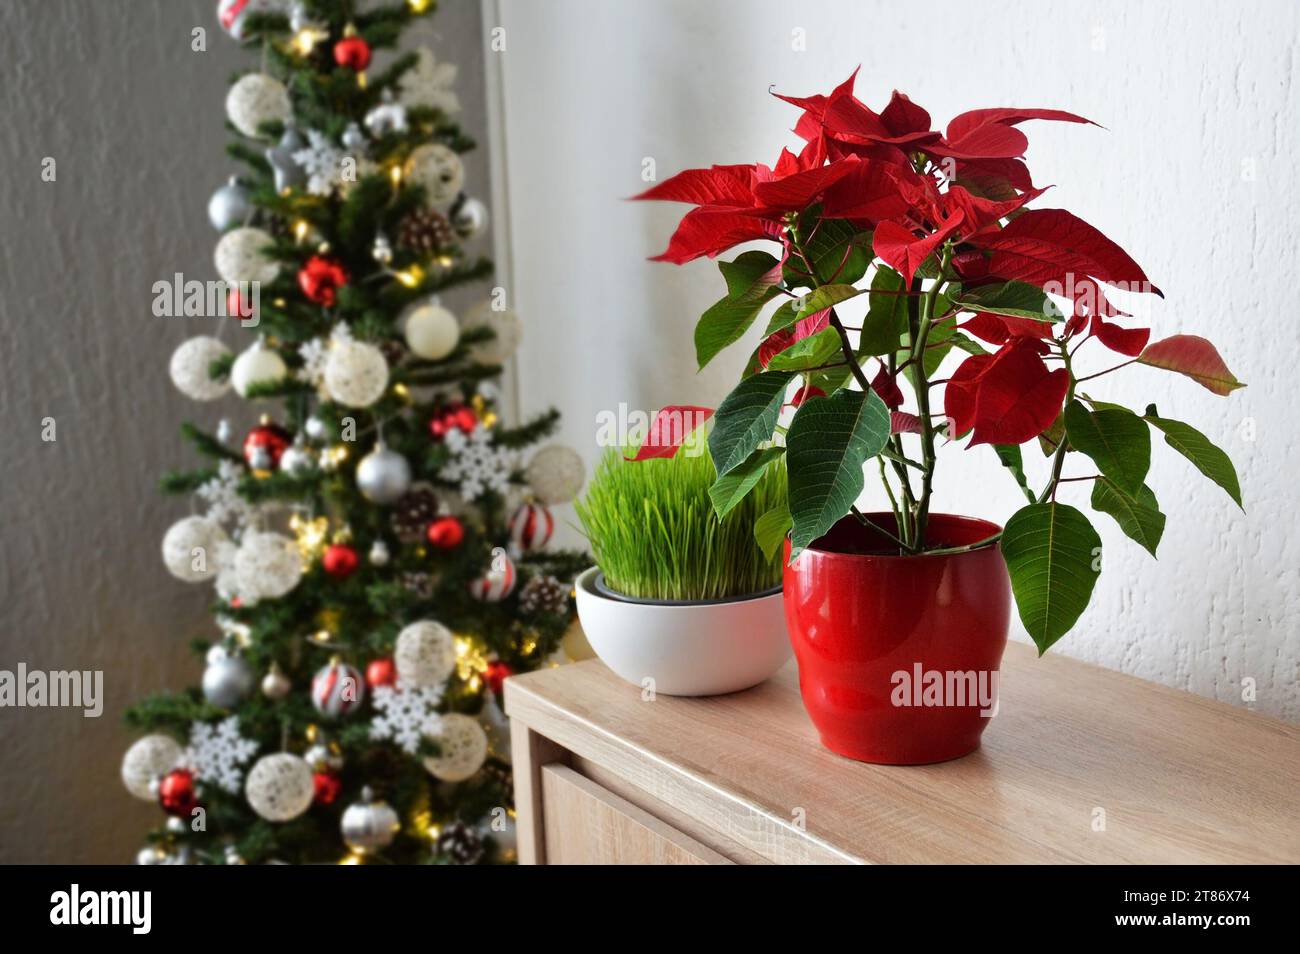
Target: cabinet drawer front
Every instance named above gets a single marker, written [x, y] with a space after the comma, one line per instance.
[586, 824]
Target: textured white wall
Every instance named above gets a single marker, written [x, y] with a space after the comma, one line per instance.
[1191, 94]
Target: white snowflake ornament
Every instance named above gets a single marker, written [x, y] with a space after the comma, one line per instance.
[217, 753]
[478, 464]
[429, 83]
[407, 714]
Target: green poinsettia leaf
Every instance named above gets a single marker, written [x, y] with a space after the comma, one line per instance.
[1138, 515]
[746, 418]
[1017, 299]
[1209, 459]
[1117, 440]
[1053, 555]
[886, 320]
[828, 442]
[731, 488]
[771, 528]
[808, 353]
[751, 282]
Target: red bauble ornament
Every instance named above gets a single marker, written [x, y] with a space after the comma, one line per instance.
[339, 560]
[177, 794]
[381, 672]
[452, 417]
[352, 52]
[327, 786]
[264, 445]
[496, 673]
[446, 533]
[320, 279]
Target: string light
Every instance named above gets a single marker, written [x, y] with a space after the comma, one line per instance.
[300, 229]
[305, 40]
[419, 6]
[411, 277]
[470, 662]
[352, 858]
[395, 173]
[310, 535]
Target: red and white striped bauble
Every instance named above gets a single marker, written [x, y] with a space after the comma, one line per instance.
[498, 582]
[337, 689]
[530, 527]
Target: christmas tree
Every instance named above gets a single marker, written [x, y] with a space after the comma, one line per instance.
[376, 542]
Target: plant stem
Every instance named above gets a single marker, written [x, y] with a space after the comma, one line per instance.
[866, 521]
[966, 548]
[1089, 377]
[923, 400]
[1058, 459]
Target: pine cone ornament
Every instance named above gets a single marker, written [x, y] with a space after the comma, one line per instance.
[421, 584]
[544, 594]
[425, 230]
[460, 844]
[413, 512]
[394, 351]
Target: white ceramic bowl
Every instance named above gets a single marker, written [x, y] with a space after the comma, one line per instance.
[688, 649]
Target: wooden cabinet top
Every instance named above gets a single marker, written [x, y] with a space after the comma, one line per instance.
[1081, 764]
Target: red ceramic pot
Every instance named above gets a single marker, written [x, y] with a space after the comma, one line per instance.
[898, 655]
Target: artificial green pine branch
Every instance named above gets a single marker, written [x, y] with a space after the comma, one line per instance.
[543, 425]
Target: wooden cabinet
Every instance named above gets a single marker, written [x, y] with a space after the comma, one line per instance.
[1080, 765]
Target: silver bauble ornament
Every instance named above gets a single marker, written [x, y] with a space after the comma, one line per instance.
[275, 684]
[297, 459]
[233, 857]
[150, 855]
[382, 250]
[369, 824]
[379, 554]
[469, 218]
[289, 174]
[177, 826]
[224, 431]
[383, 475]
[322, 758]
[230, 205]
[387, 117]
[228, 681]
[315, 428]
[354, 139]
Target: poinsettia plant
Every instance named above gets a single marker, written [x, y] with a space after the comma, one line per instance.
[933, 228]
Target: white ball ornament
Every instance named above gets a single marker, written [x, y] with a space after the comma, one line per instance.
[383, 475]
[239, 256]
[190, 366]
[190, 549]
[279, 787]
[439, 170]
[356, 373]
[463, 747]
[257, 364]
[506, 329]
[425, 654]
[556, 474]
[431, 331]
[256, 99]
[267, 566]
[146, 760]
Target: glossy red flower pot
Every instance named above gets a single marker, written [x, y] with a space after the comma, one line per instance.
[898, 655]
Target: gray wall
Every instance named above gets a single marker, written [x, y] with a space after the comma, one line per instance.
[133, 118]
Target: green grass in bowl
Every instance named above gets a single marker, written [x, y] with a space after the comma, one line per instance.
[653, 531]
